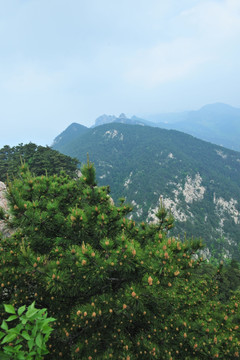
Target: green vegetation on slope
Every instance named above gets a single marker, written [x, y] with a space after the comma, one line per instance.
[72, 132]
[144, 164]
[117, 289]
[39, 158]
[218, 123]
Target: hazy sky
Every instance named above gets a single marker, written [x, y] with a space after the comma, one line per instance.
[64, 61]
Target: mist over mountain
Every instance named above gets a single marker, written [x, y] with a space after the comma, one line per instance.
[196, 180]
[217, 123]
[122, 119]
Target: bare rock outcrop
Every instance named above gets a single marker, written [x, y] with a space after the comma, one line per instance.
[4, 229]
[3, 200]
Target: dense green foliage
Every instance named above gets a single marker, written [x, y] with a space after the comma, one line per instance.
[39, 158]
[143, 163]
[72, 132]
[27, 340]
[117, 289]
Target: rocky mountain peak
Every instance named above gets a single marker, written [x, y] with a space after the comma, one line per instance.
[122, 116]
[104, 119]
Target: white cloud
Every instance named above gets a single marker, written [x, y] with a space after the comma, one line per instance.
[71, 61]
[29, 77]
[218, 20]
[165, 62]
[208, 27]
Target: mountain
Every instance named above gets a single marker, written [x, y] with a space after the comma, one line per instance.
[196, 180]
[69, 134]
[40, 159]
[218, 123]
[122, 119]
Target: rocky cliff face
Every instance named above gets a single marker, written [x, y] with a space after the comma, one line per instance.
[4, 229]
[3, 200]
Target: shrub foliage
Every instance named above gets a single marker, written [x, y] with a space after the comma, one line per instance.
[40, 159]
[27, 340]
[117, 289]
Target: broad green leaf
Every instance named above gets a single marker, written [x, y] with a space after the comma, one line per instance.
[28, 326]
[9, 349]
[13, 331]
[32, 306]
[12, 317]
[9, 309]
[30, 344]
[21, 356]
[45, 351]
[21, 310]
[41, 312]
[46, 329]
[34, 331]
[32, 353]
[50, 319]
[9, 338]
[17, 348]
[19, 327]
[19, 340]
[39, 340]
[39, 351]
[26, 335]
[30, 357]
[4, 325]
[31, 312]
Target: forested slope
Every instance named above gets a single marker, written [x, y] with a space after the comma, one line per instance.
[197, 180]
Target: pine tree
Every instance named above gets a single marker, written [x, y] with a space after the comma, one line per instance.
[39, 158]
[117, 289]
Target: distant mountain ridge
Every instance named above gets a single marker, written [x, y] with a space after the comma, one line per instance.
[216, 123]
[196, 180]
[122, 119]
